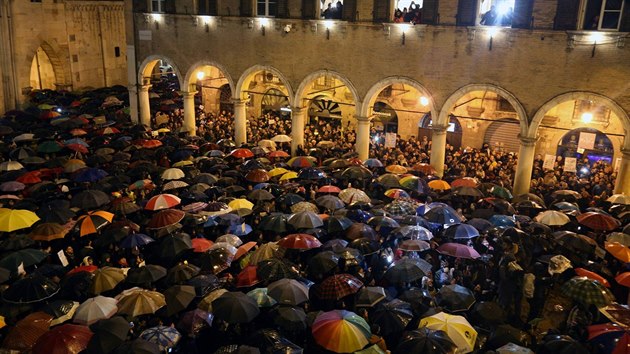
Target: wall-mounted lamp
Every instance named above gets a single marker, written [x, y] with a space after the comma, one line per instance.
[595, 37]
[200, 75]
[492, 31]
[424, 101]
[587, 117]
[404, 28]
[264, 22]
[328, 25]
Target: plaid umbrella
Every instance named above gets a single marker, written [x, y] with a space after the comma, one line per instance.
[400, 208]
[304, 206]
[588, 291]
[338, 286]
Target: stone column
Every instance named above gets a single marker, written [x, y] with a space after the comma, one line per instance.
[298, 118]
[362, 145]
[145, 106]
[523, 175]
[133, 103]
[189, 113]
[622, 185]
[240, 122]
[438, 149]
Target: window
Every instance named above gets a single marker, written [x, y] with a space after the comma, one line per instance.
[208, 7]
[331, 9]
[267, 8]
[158, 6]
[117, 52]
[603, 15]
[406, 4]
[496, 12]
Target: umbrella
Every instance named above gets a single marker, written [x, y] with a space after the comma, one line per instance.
[405, 270]
[328, 189]
[618, 250]
[552, 218]
[620, 237]
[178, 298]
[165, 337]
[135, 302]
[274, 269]
[108, 335]
[235, 307]
[173, 173]
[424, 340]
[305, 220]
[341, 331]
[175, 184]
[147, 274]
[162, 201]
[288, 292]
[181, 273]
[299, 241]
[465, 182]
[350, 195]
[93, 221]
[138, 346]
[369, 296]
[458, 250]
[461, 232]
[455, 298]
[619, 199]
[30, 289]
[26, 257]
[393, 317]
[598, 221]
[502, 220]
[89, 175]
[16, 219]
[261, 297]
[467, 191]
[301, 162]
[64, 339]
[89, 199]
[414, 232]
[443, 215]
[247, 277]
[489, 313]
[554, 344]
[456, 327]
[338, 286]
[136, 240]
[25, 333]
[260, 194]
[281, 138]
[438, 184]
[414, 246]
[165, 218]
[304, 206]
[587, 291]
[241, 204]
[329, 202]
[264, 252]
[105, 279]
[10, 166]
[95, 309]
[289, 317]
[592, 275]
[48, 232]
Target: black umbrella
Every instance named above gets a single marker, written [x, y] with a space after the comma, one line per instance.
[235, 307]
[369, 296]
[172, 246]
[57, 211]
[275, 269]
[276, 222]
[16, 243]
[337, 224]
[108, 335]
[89, 199]
[181, 273]
[145, 275]
[505, 334]
[560, 344]
[178, 298]
[289, 317]
[138, 346]
[405, 270]
[489, 313]
[455, 298]
[420, 299]
[425, 341]
[30, 289]
[393, 316]
[322, 263]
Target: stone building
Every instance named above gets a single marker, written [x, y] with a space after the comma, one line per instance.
[60, 44]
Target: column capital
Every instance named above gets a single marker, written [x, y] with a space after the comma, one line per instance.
[298, 110]
[439, 129]
[364, 120]
[528, 140]
[239, 102]
[144, 87]
[188, 94]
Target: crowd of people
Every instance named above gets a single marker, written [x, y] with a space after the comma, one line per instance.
[152, 241]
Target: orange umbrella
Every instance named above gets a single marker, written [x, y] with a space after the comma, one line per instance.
[201, 245]
[592, 275]
[243, 249]
[93, 221]
[618, 251]
[465, 182]
[623, 279]
[48, 231]
[23, 336]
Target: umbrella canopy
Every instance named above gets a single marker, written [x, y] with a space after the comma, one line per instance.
[588, 291]
[424, 340]
[235, 307]
[16, 219]
[456, 327]
[598, 221]
[305, 220]
[458, 250]
[341, 331]
[162, 201]
[164, 336]
[135, 302]
[405, 270]
[552, 218]
[64, 339]
[89, 199]
[173, 173]
[338, 286]
[92, 222]
[299, 241]
[106, 278]
[108, 334]
[25, 333]
[95, 309]
[30, 289]
[455, 298]
[178, 298]
[369, 296]
[618, 251]
[350, 195]
[48, 232]
[288, 292]
[393, 317]
[461, 232]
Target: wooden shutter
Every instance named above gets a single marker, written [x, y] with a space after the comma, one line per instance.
[282, 8]
[381, 11]
[624, 26]
[309, 9]
[169, 7]
[566, 15]
[429, 12]
[522, 15]
[349, 12]
[140, 6]
[247, 8]
[466, 12]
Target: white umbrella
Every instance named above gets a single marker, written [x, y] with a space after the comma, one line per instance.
[281, 138]
[173, 173]
[95, 309]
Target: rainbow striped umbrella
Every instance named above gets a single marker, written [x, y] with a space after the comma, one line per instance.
[341, 331]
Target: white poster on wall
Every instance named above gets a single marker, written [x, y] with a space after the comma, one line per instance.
[587, 141]
[570, 164]
[390, 140]
[550, 161]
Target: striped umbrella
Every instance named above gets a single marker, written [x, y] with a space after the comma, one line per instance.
[162, 201]
[93, 221]
[341, 331]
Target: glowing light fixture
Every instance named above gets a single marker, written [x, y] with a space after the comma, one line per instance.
[587, 117]
[264, 22]
[200, 75]
[424, 101]
[492, 31]
[404, 27]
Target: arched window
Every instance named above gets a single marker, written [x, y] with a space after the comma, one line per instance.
[586, 142]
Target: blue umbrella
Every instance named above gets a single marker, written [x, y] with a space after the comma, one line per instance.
[502, 220]
[76, 141]
[480, 224]
[89, 174]
[373, 163]
[164, 336]
[443, 215]
[229, 219]
[261, 186]
[461, 232]
[239, 229]
[136, 240]
[210, 222]
[359, 215]
[311, 173]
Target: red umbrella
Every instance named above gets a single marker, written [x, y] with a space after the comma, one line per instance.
[164, 218]
[243, 249]
[25, 333]
[299, 241]
[88, 268]
[201, 245]
[242, 153]
[424, 168]
[257, 175]
[465, 182]
[329, 189]
[32, 177]
[78, 148]
[278, 153]
[592, 275]
[598, 221]
[458, 250]
[64, 339]
[150, 144]
[623, 279]
[78, 132]
[162, 201]
[247, 277]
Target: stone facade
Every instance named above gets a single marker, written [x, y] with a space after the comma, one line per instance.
[84, 42]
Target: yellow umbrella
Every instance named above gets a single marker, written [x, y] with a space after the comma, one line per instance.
[278, 171]
[16, 219]
[397, 169]
[241, 204]
[182, 163]
[135, 302]
[289, 175]
[456, 327]
[439, 184]
[73, 165]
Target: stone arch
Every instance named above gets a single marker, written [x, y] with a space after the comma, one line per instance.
[374, 91]
[55, 56]
[452, 99]
[188, 79]
[299, 94]
[149, 63]
[249, 74]
[582, 95]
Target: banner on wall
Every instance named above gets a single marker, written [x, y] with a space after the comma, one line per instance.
[550, 161]
[390, 140]
[587, 141]
[570, 164]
